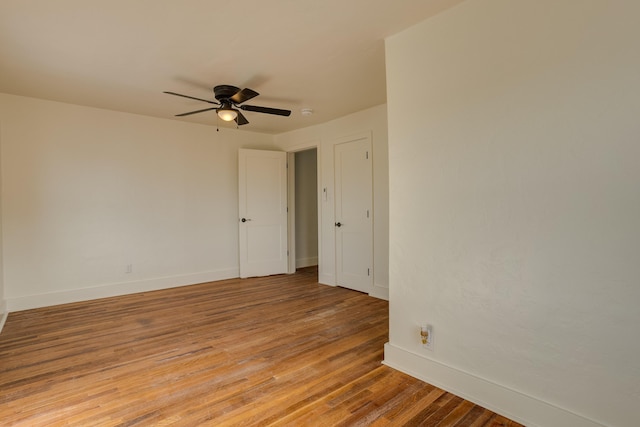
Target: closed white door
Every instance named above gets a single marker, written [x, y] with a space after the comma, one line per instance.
[262, 212]
[354, 215]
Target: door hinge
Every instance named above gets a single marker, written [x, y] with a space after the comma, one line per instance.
[367, 155]
[368, 272]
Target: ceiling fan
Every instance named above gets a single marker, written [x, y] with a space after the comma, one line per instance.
[228, 103]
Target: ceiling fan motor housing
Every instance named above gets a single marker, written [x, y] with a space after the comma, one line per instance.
[224, 92]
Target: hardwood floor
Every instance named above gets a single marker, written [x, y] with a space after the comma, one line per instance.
[280, 350]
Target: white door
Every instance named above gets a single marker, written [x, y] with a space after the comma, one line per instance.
[354, 215]
[262, 212]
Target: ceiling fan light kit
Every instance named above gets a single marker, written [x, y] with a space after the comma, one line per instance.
[229, 97]
[227, 113]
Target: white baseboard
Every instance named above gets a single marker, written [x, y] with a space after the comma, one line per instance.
[512, 404]
[3, 314]
[380, 292]
[116, 289]
[306, 262]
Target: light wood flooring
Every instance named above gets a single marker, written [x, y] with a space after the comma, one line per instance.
[279, 350]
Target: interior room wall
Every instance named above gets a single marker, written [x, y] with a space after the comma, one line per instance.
[3, 304]
[514, 207]
[306, 208]
[325, 136]
[99, 203]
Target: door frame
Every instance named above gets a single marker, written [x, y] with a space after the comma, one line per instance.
[291, 217]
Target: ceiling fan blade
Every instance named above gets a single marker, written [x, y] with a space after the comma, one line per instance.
[243, 95]
[241, 119]
[266, 110]
[191, 97]
[196, 112]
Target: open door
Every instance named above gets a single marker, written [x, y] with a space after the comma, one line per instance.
[262, 210]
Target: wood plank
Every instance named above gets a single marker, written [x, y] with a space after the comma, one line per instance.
[278, 350]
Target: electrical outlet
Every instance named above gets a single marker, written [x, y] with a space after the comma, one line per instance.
[426, 335]
[129, 268]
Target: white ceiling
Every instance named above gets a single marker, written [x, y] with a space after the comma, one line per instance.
[327, 55]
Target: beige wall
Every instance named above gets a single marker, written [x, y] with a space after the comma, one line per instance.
[86, 192]
[3, 304]
[514, 206]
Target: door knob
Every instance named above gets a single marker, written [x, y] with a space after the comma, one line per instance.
[338, 224]
[245, 219]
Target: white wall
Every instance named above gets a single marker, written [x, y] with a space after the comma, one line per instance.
[86, 192]
[3, 304]
[325, 136]
[515, 207]
[306, 208]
